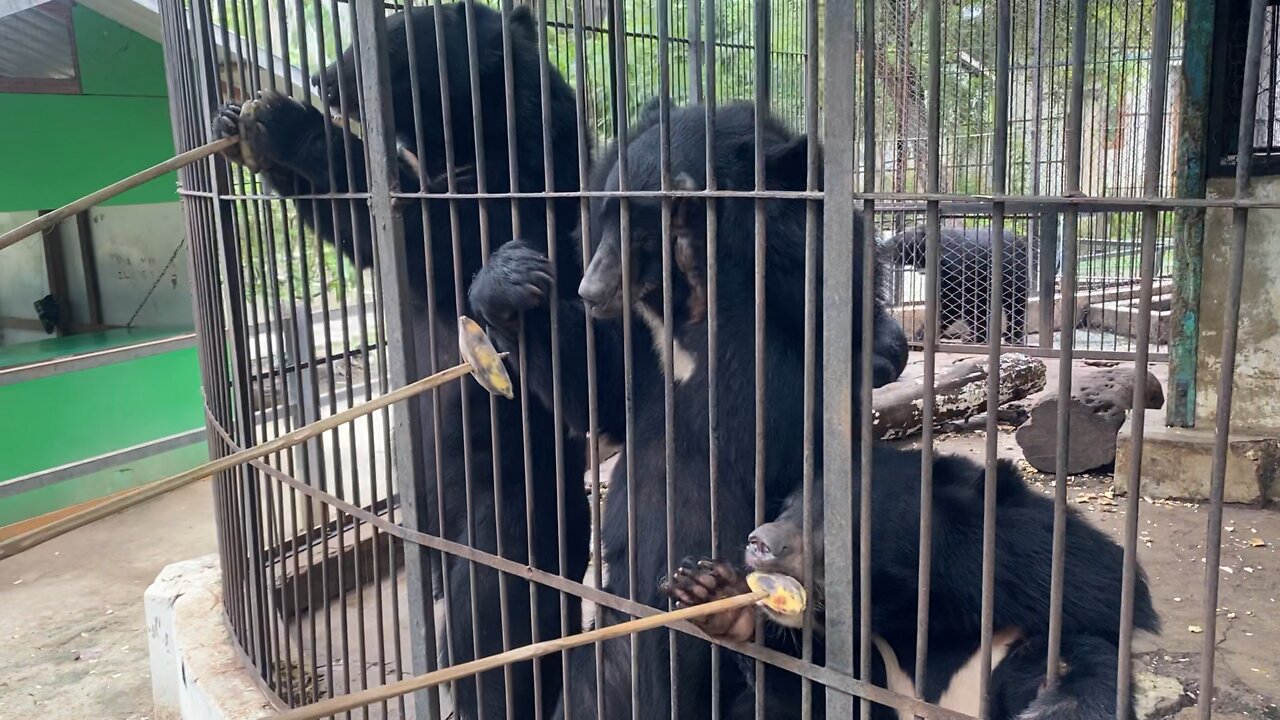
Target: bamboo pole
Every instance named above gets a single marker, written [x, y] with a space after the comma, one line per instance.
[32, 538]
[364, 698]
[47, 221]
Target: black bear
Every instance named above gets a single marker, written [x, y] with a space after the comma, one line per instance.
[299, 152]
[964, 277]
[706, 477]
[1024, 546]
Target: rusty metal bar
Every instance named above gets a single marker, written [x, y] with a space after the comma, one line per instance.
[931, 330]
[1188, 269]
[1070, 220]
[1158, 84]
[838, 347]
[865, 286]
[813, 218]
[1230, 337]
[995, 329]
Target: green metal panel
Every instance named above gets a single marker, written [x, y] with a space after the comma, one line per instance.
[56, 420]
[53, 348]
[115, 60]
[72, 145]
[100, 484]
[64, 146]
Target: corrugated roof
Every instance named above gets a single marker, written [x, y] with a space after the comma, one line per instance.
[35, 43]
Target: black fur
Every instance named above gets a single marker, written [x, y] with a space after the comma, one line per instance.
[516, 281]
[1024, 542]
[964, 277]
[298, 151]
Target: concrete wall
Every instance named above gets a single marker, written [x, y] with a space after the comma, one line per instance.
[1256, 398]
[132, 244]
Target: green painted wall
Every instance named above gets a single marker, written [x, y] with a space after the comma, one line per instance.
[56, 420]
[56, 148]
[100, 484]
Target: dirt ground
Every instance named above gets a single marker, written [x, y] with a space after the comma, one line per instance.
[73, 642]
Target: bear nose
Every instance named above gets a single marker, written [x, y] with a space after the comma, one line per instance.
[759, 547]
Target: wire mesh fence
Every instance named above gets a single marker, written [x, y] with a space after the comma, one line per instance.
[690, 305]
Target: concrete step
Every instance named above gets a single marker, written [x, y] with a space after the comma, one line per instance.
[1176, 462]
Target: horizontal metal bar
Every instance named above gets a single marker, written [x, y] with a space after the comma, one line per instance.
[969, 349]
[954, 202]
[115, 458]
[86, 361]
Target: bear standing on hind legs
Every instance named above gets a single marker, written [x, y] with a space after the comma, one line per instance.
[515, 284]
[298, 151]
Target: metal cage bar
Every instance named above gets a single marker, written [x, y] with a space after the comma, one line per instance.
[1072, 176]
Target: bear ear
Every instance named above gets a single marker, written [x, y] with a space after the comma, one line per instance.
[786, 165]
[523, 23]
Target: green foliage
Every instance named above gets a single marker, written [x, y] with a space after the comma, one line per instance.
[1119, 37]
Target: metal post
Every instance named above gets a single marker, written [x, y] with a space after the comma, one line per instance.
[837, 349]
[1048, 275]
[388, 236]
[1230, 337]
[309, 457]
[1188, 268]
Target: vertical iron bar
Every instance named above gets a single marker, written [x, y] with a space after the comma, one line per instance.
[668, 326]
[513, 178]
[1070, 220]
[618, 60]
[813, 209]
[388, 236]
[557, 407]
[932, 230]
[478, 136]
[464, 399]
[837, 349]
[995, 328]
[713, 321]
[865, 285]
[760, 33]
[1230, 335]
[1158, 85]
[593, 439]
[694, 35]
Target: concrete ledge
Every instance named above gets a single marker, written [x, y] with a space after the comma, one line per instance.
[196, 673]
[1176, 462]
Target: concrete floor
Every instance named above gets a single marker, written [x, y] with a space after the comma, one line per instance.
[73, 642]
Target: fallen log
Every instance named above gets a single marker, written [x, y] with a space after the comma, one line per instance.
[960, 391]
[1101, 398]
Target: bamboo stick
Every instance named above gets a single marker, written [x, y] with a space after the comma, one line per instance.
[364, 698]
[49, 220]
[32, 538]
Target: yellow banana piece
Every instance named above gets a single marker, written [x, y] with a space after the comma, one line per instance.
[786, 594]
[486, 363]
